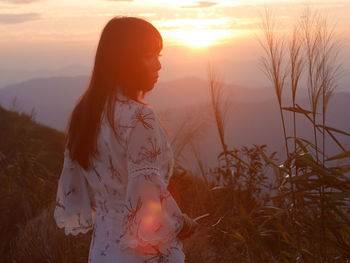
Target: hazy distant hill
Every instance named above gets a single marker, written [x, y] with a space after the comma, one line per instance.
[53, 98]
[12, 75]
[253, 119]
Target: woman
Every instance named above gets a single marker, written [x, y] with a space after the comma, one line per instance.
[117, 160]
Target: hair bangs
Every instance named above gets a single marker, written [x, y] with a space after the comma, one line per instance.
[152, 41]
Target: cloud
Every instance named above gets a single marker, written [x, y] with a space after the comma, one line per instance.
[120, 0]
[18, 18]
[21, 1]
[201, 4]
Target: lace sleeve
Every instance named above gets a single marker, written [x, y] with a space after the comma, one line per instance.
[74, 203]
[153, 218]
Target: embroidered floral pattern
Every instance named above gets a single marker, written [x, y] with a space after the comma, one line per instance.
[124, 197]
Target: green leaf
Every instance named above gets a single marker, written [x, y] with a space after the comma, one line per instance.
[340, 213]
[341, 170]
[297, 110]
[242, 211]
[238, 236]
[302, 160]
[268, 160]
[300, 178]
[266, 207]
[339, 156]
[301, 145]
[315, 166]
[338, 195]
[311, 144]
[312, 196]
[333, 129]
[307, 251]
[231, 153]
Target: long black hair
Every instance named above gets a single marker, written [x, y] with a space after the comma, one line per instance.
[118, 67]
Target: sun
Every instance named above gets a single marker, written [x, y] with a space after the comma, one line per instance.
[196, 33]
[197, 38]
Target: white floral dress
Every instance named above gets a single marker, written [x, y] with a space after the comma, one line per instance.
[124, 198]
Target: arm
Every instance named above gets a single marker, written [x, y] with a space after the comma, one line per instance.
[73, 209]
[153, 218]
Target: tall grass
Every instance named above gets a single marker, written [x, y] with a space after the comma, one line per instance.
[313, 46]
[220, 106]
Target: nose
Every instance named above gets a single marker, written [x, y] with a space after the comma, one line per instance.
[157, 64]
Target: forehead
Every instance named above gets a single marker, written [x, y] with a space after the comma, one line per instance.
[151, 40]
[152, 44]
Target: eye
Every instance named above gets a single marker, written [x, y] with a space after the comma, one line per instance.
[152, 55]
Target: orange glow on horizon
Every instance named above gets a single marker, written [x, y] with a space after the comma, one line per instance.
[198, 38]
[198, 32]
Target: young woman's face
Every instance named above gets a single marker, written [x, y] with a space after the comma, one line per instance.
[152, 65]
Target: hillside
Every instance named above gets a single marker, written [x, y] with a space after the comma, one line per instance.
[30, 162]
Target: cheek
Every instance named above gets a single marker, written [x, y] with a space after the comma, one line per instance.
[147, 64]
[151, 64]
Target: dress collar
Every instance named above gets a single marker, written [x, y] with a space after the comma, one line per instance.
[121, 97]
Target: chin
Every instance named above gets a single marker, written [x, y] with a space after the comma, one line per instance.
[149, 87]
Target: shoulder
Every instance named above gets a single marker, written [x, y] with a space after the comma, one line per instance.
[128, 110]
[135, 115]
[143, 115]
[126, 103]
[144, 126]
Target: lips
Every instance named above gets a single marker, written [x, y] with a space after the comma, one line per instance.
[155, 77]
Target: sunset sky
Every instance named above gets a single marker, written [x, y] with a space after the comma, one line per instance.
[52, 34]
